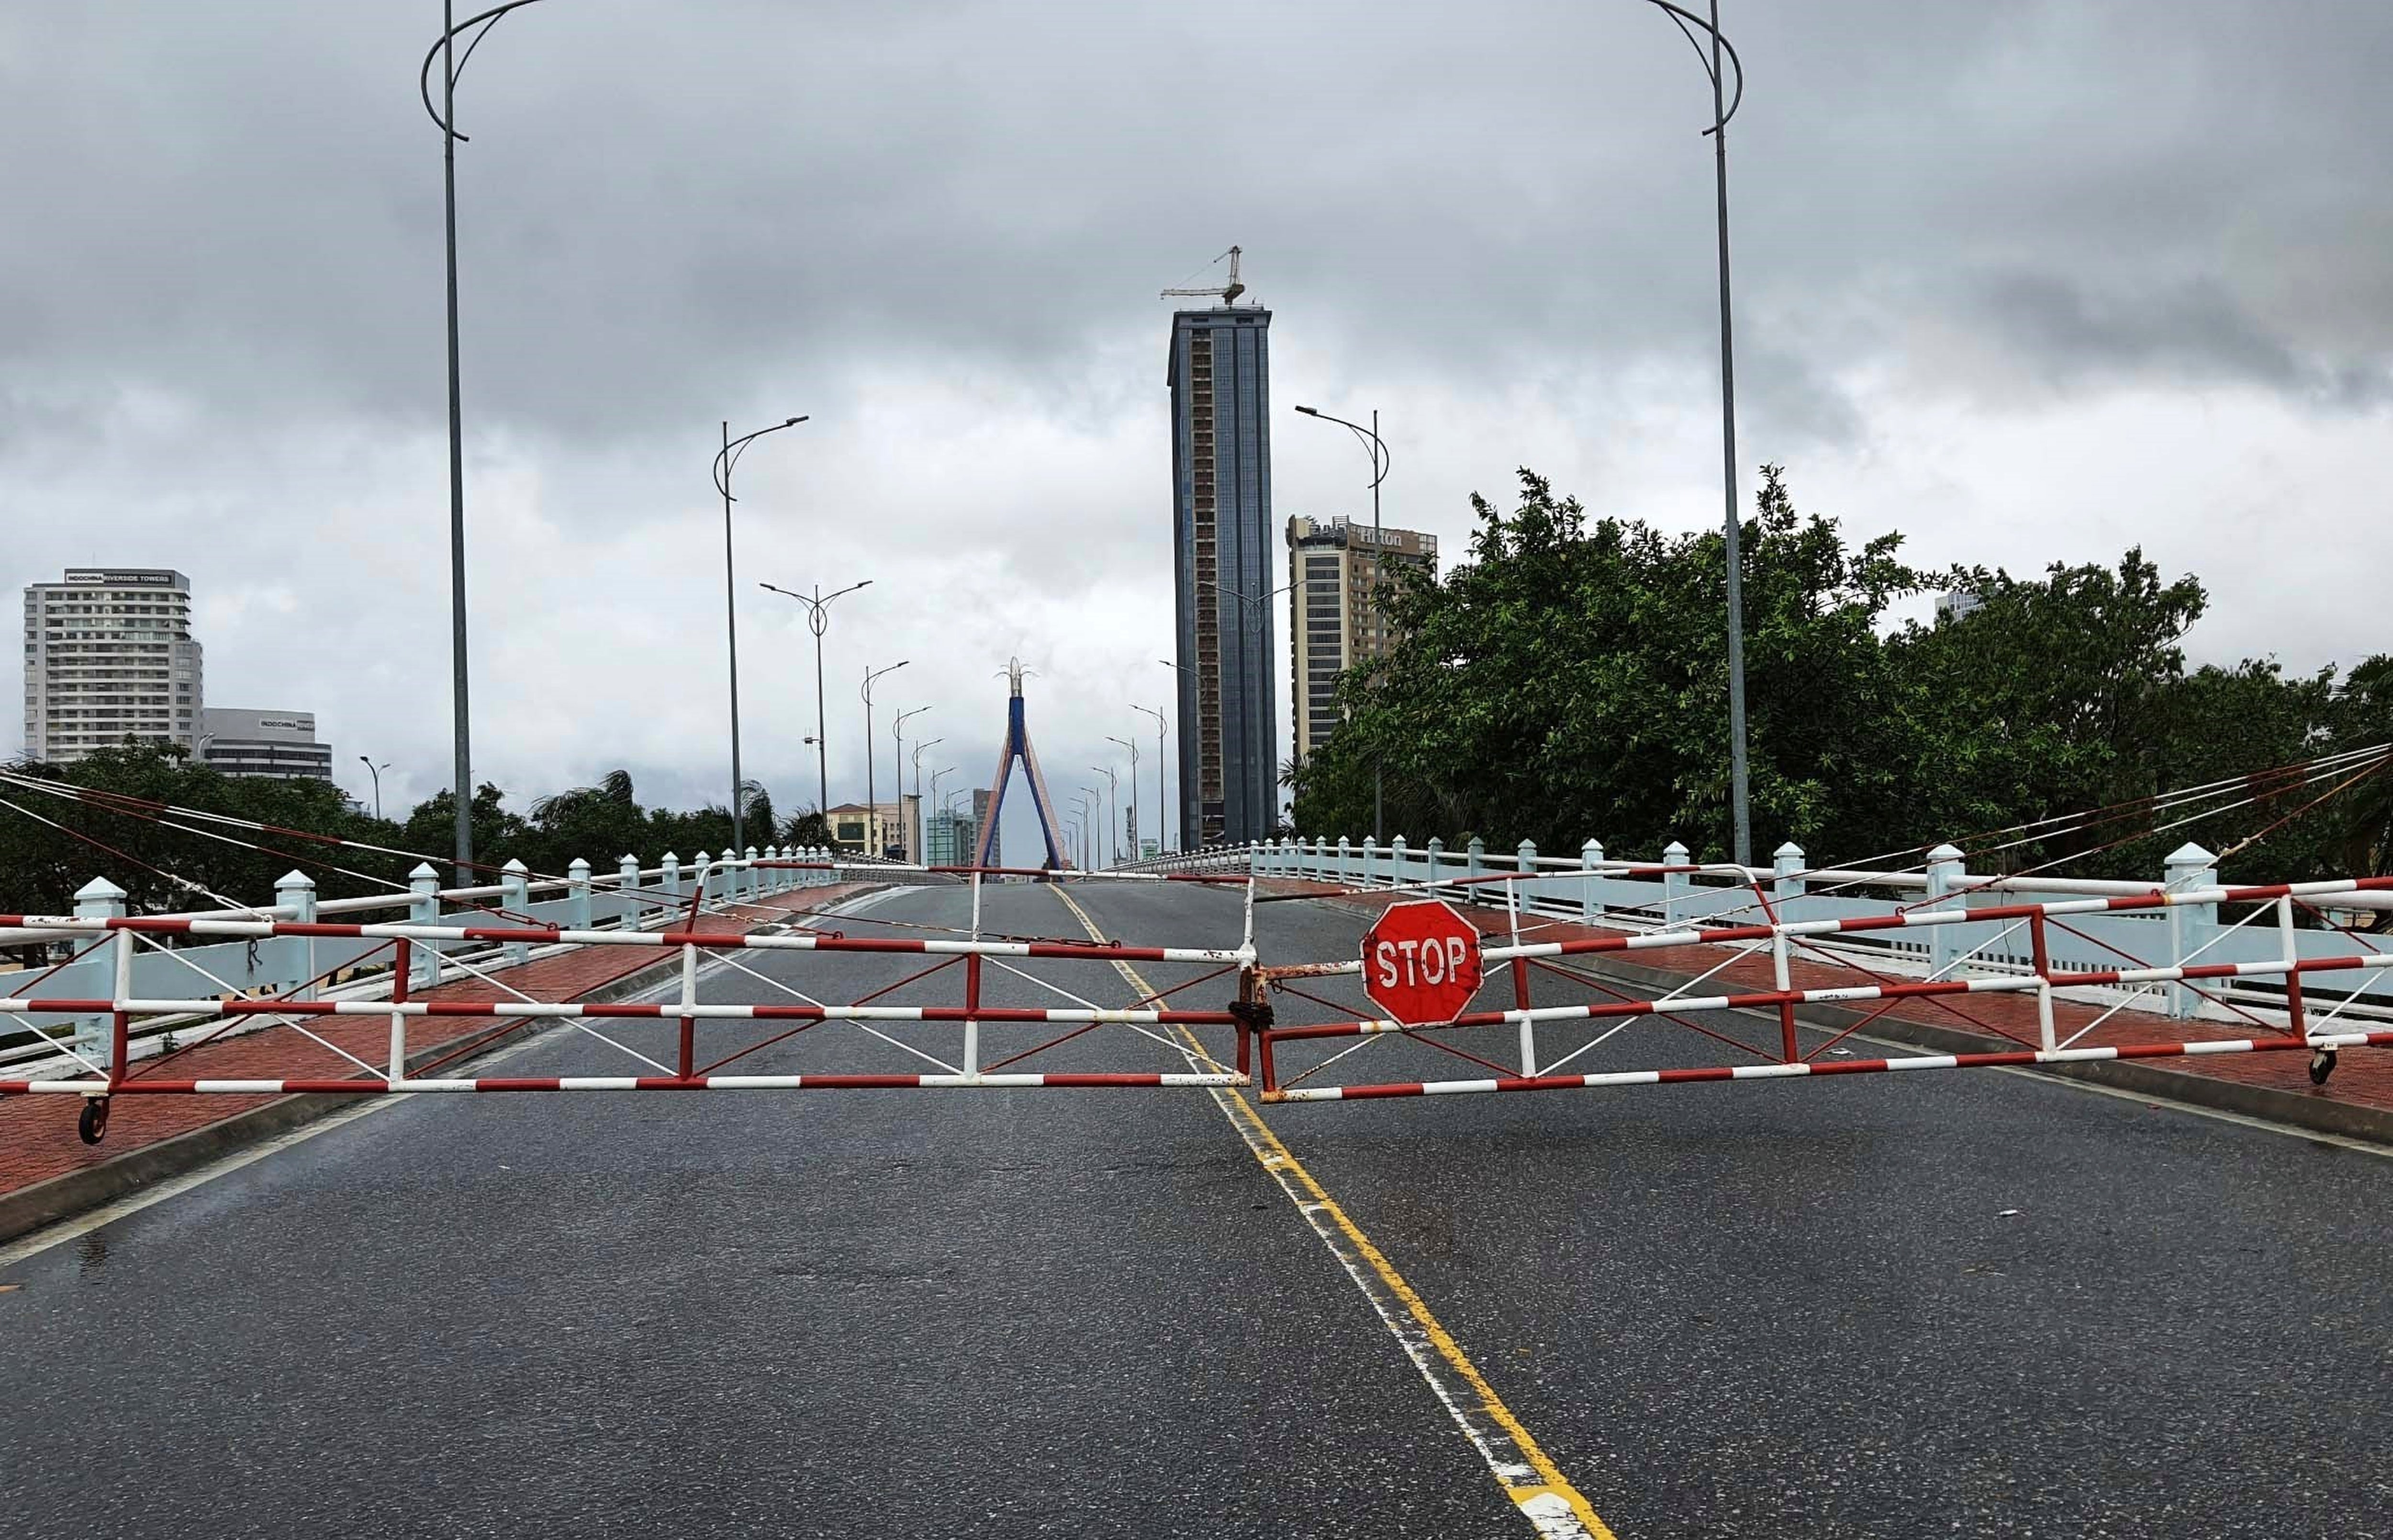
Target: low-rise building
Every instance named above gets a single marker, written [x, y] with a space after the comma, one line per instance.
[278, 744]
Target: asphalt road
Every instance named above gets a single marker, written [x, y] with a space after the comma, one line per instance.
[1972, 1303]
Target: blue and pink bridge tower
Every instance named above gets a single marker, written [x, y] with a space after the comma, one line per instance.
[1017, 747]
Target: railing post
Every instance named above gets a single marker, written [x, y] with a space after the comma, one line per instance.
[1435, 852]
[669, 878]
[701, 881]
[515, 879]
[1525, 861]
[1474, 863]
[754, 893]
[1397, 857]
[423, 908]
[2192, 926]
[1944, 871]
[100, 900]
[296, 958]
[1346, 860]
[627, 893]
[577, 895]
[1786, 880]
[1676, 886]
[1590, 903]
[1371, 860]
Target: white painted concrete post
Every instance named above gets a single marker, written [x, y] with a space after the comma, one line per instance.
[1371, 859]
[1346, 860]
[423, 908]
[1590, 903]
[754, 893]
[1525, 861]
[99, 899]
[1474, 864]
[1676, 886]
[1397, 857]
[669, 878]
[701, 882]
[627, 884]
[294, 959]
[2192, 926]
[1786, 881]
[1944, 869]
[1436, 853]
[515, 878]
[577, 895]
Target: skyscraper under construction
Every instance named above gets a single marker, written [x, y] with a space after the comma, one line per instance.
[1222, 548]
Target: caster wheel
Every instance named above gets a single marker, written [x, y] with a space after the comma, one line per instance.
[91, 1125]
[2321, 1065]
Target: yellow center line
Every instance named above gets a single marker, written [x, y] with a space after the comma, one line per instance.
[1527, 1475]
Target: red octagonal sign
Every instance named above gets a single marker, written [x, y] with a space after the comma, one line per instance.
[1420, 963]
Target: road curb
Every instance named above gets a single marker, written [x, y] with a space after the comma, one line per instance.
[2317, 1111]
[73, 1193]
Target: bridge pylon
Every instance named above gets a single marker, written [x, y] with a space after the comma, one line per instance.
[1017, 747]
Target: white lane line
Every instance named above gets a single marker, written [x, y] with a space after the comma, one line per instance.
[57, 1235]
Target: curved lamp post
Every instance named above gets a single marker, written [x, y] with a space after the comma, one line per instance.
[818, 622]
[445, 117]
[1113, 814]
[375, 771]
[1724, 105]
[1377, 447]
[871, 805]
[729, 457]
[1133, 785]
[921, 829]
[1161, 727]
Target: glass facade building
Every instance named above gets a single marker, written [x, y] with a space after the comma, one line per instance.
[1223, 539]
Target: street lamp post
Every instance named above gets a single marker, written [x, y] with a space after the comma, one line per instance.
[375, 771]
[897, 733]
[445, 115]
[1159, 727]
[732, 451]
[922, 833]
[1724, 107]
[936, 775]
[871, 802]
[818, 622]
[1189, 669]
[1133, 789]
[1378, 451]
[1090, 799]
[1113, 814]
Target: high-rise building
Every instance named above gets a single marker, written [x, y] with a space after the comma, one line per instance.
[108, 655]
[280, 745]
[1220, 377]
[1331, 568]
[980, 821]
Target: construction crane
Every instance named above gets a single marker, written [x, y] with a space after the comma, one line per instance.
[1227, 293]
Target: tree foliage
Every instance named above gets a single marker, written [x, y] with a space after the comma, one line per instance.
[1569, 679]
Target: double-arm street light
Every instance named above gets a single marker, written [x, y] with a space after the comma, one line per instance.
[1377, 449]
[375, 771]
[1724, 105]
[723, 462]
[1090, 800]
[1133, 789]
[871, 802]
[921, 831]
[1113, 813]
[445, 117]
[818, 622]
[897, 733]
[1160, 726]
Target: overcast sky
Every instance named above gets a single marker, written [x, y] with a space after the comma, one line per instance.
[2026, 281]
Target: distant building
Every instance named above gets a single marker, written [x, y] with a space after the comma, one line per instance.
[276, 744]
[108, 655]
[1220, 376]
[979, 818]
[948, 840]
[877, 829]
[1331, 568]
[1958, 602]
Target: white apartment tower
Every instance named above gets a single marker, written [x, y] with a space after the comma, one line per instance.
[1331, 569]
[108, 655]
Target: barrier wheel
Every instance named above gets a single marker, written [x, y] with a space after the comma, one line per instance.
[2321, 1065]
[91, 1123]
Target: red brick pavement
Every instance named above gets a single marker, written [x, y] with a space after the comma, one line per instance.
[2364, 1077]
[37, 1133]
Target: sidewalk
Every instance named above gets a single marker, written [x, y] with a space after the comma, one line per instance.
[2357, 1100]
[47, 1173]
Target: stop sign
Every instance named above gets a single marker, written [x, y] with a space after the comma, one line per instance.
[1420, 963]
